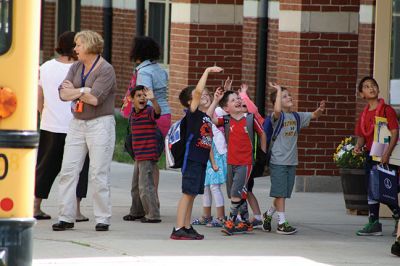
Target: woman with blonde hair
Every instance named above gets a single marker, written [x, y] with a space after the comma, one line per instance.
[90, 85]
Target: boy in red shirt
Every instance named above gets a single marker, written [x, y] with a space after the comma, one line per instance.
[240, 160]
[369, 90]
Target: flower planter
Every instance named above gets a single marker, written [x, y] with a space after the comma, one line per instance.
[355, 190]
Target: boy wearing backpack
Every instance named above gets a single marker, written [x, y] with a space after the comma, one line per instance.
[144, 143]
[198, 143]
[239, 127]
[283, 150]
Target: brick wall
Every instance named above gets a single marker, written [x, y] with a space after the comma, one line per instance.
[92, 18]
[320, 5]
[195, 47]
[249, 54]
[48, 30]
[319, 66]
[123, 31]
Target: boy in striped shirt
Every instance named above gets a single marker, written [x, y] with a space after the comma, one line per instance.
[144, 142]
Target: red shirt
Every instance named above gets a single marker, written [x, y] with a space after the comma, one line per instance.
[388, 112]
[240, 148]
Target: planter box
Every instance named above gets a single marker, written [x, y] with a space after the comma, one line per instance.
[355, 184]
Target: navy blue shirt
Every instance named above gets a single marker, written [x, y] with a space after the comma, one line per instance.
[199, 126]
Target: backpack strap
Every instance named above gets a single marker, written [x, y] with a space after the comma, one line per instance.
[297, 117]
[227, 119]
[250, 131]
[276, 131]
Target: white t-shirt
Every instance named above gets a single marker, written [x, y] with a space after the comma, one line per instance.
[56, 114]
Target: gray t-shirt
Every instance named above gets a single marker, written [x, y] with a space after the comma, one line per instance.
[284, 150]
[103, 83]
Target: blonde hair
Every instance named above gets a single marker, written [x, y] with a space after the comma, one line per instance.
[91, 41]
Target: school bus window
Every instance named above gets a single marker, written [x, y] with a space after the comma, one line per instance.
[5, 25]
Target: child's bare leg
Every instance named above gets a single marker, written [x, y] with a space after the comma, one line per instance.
[253, 202]
[182, 210]
[279, 204]
[206, 212]
[36, 206]
[189, 211]
[221, 212]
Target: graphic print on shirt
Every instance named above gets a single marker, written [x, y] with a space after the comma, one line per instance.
[291, 128]
[205, 139]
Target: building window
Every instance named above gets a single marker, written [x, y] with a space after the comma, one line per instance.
[5, 25]
[158, 25]
[68, 16]
[395, 55]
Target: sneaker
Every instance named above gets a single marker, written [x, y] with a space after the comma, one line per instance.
[266, 222]
[396, 247]
[371, 229]
[192, 231]
[396, 224]
[256, 223]
[242, 227]
[202, 220]
[286, 229]
[181, 234]
[216, 222]
[228, 227]
[62, 226]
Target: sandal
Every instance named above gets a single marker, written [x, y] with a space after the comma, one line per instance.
[216, 222]
[81, 218]
[130, 217]
[202, 220]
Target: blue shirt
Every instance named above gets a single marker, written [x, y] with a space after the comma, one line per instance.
[152, 76]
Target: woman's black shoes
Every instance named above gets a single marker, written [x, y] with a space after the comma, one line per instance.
[102, 227]
[62, 226]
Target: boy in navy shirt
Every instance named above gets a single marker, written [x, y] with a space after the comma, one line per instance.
[199, 134]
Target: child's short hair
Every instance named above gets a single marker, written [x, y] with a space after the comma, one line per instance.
[186, 95]
[224, 100]
[272, 95]
[134, 90]
[364, 79]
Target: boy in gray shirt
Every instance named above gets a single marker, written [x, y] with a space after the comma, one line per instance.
[284, 155]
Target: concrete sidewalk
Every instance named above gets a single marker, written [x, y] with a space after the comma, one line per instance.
[326, 233]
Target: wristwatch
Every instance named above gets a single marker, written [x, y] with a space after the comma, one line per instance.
[82, 90]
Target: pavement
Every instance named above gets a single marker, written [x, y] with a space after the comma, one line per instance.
[326, 233]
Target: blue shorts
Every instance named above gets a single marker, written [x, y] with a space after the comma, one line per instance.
[282, 180]
[193, 178]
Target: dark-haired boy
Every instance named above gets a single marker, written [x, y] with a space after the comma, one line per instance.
[144, 143]
[199, 137]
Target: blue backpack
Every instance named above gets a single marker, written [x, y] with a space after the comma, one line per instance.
[273, 134]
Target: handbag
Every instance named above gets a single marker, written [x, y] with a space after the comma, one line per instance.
[388, 185]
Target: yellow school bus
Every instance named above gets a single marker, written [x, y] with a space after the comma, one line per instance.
[19, 63]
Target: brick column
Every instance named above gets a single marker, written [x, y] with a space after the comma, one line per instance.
[48, 30]
[317, 60]
[204, 33]
[366, 35]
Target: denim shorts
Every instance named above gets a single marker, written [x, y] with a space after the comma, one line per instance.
[282, 180]
[193, 178]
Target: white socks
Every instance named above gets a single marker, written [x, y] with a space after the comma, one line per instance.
[271, 211]
[281, 217]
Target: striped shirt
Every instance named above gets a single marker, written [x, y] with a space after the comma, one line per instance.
[144, 142]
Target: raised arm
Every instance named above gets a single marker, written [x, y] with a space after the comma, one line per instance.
[251, 107]
[278, 100]
[317, 113]
[150, 97]
[196, 94]
[218, 94]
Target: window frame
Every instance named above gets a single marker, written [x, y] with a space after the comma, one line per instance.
[8, 37]
[167, 25]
